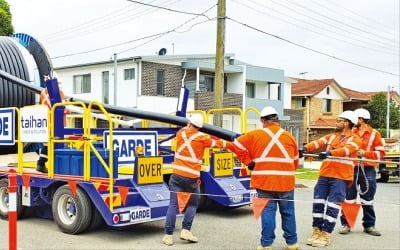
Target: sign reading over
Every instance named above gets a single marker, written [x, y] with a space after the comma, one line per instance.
[7, 131]
[149, 170]
[223, 164]
[34, 123]
[125, 142]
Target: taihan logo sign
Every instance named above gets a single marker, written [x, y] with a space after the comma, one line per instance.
[34, 123]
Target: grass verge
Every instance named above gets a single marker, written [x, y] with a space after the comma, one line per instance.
[307, 173]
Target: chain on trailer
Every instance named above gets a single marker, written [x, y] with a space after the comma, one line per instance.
[95, 175]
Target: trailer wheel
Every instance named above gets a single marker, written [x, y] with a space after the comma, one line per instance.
[97, 219]
[4, 200]
[71, 213]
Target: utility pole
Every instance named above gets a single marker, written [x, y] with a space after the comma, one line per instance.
[388, 114]
[219, 61]
[115, 79]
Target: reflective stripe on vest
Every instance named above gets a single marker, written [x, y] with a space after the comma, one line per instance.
[186, 169]
[187, 144]
[45, 98]
[274, 141]
[273, 172]
[371, 140]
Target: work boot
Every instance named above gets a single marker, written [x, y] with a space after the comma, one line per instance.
[372, 231]
[323, 240]
[264, 248]
[293, 247]
[167, 240]
[344, 230]
[41, 168]
[314, 236]
[187, 235]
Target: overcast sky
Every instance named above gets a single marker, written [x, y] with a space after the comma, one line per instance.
[356, 42]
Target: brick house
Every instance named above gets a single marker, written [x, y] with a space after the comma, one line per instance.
[152, 83]
[321, 102]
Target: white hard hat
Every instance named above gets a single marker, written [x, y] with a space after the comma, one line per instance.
[349, 115]
[363, 113]
[268, 110]
[197, 120]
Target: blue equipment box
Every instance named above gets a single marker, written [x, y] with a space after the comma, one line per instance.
[70, 162]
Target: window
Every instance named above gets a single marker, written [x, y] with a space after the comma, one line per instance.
[129, 74]
[327, 90]
[250, 90]
[206, 83]
[160, 82]
[82, 84]
[301, 102]
[105, 76]
[326, 105]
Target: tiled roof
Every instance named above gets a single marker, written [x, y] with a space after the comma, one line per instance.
[305, 87]
[353, 94]
[323, 122]
[393, 94]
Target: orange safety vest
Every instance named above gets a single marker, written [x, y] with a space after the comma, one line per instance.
[275, 152]
[373, 145]
[339, 145]
[45, 99]
[190, 145]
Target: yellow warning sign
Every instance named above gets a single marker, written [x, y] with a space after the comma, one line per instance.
[149, 170]
[223, 164]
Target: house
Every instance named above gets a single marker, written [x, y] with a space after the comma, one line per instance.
[321, 102]
[152, 83]
[394, 95]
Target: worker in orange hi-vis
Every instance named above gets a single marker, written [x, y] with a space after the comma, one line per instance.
[364, 183]
[272, 154]
[45, 99]
[190, 146]
[334, 176]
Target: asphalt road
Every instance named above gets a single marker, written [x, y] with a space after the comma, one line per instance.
[217, 229]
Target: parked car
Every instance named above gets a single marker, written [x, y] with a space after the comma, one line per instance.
[392, 147]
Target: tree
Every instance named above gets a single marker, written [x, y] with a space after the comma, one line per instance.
[6, 27]
[378, 109]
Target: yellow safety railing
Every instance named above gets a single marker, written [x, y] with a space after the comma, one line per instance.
[20, 145]
[88, 146]
[111, 166]
[246, 114]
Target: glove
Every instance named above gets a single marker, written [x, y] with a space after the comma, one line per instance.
[360, 153]
[302, 150]
[251, 165]
[324, 155]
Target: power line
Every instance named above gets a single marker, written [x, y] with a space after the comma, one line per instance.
[107, 21]
[151, 37]
[342, 23]
[175, 29]
[172, 10]
[371, 22]
[362, 44]
[311, 49]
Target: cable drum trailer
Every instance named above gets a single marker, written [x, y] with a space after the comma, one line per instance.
[90, 180]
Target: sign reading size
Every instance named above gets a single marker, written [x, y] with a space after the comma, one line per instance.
[223, 164]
